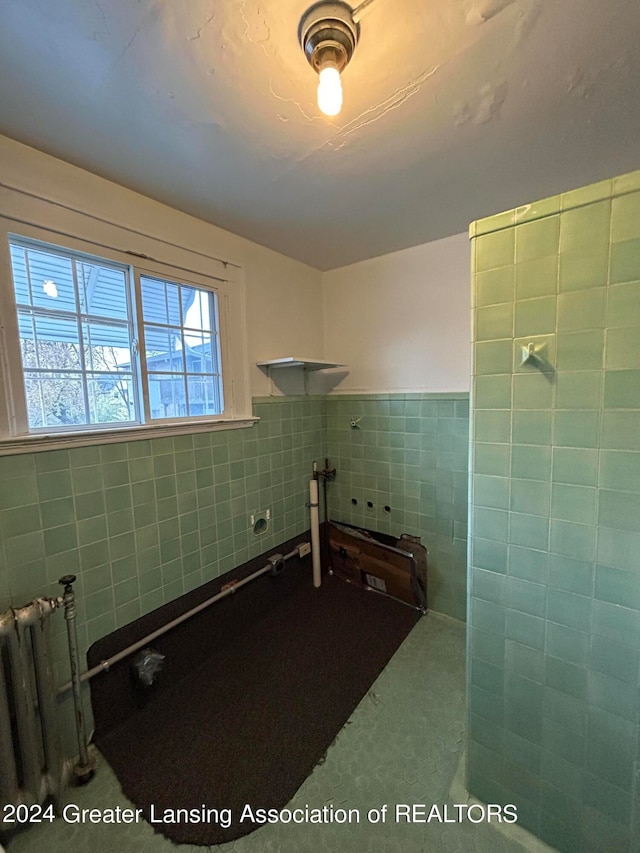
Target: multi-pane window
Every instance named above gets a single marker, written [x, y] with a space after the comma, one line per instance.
[105, 345]
[181, 349]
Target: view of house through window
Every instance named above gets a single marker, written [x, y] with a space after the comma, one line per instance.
[89, 361]
[181, 349]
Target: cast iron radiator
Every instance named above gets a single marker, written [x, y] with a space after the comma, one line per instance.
[31, 766]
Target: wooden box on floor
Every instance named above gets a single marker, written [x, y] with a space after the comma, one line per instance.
[395, 567]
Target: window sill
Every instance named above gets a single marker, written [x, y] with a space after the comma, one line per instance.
[39, 442]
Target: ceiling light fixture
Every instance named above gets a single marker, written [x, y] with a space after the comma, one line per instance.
[328, 36]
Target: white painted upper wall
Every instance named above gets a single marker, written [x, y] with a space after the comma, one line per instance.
[401, 322]
[283, 296]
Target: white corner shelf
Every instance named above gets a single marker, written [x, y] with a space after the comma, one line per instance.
[305, 363]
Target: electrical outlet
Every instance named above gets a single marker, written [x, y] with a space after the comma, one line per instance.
[304, 549]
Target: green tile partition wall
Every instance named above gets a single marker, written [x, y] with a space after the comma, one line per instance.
[408, 452]
[554, 621]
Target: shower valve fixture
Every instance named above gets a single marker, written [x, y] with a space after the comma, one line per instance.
[328, 36]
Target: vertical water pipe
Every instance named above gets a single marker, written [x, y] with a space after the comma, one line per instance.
[315, 529]
[85, 768]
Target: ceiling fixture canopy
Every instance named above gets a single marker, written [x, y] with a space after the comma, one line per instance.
[328, 36]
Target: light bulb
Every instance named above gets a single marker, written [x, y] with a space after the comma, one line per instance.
[330, 91]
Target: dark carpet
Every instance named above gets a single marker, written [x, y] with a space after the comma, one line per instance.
[249, 725]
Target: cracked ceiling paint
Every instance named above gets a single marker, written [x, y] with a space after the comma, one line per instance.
[453, 110]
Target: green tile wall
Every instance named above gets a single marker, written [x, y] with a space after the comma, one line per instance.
[409, 453]
[142, 522]
[554, 623]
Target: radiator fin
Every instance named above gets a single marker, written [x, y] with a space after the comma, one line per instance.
[31, 767]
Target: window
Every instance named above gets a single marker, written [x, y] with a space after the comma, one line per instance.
[104, 344]
[181, 349]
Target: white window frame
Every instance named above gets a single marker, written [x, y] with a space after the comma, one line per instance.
[192, 280]
[15, 436]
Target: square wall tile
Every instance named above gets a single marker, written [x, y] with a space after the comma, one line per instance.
[580, 350]
[617, 587]
[586, 227]
[493, 392]
[613, 659]
[526, 597]
[576, 466]
[492, 459]
[573, 503]
[576, 428]
[532, 390]
[622, 389]
[586, 195]
[613, 622]
[583, 270]
[618, 548]
[623, 305]
[566, 643]
[530, 496]
[530, 463]
[535, 316]
[492, 492]
[572, 539]
[625, 261]
[494, 321]
[569, 609]
[492, 426]
[579, 389]
[537, 239]
[625, 217]
[571, 575]
[526, 630]
[630, 182]
[530, 531]
[620, 470]
[493, 357]
[491, 524]
[532, 427]
[621, 349]
[582, 310]
[494, 286]
[495, 250]
[619, 510]
[620, 430]
[538, 277]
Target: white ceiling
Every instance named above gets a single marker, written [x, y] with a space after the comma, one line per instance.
[453, 110]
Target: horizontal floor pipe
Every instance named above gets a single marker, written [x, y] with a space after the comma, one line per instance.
[104, 665]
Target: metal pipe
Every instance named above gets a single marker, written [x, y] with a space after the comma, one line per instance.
[27, 615]
[357, 13]
[325, 539]
[8, 776]
[315, 532]
[25, 710]
[14, 626]
[85, 768]
[230, 588]
[47, 705]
